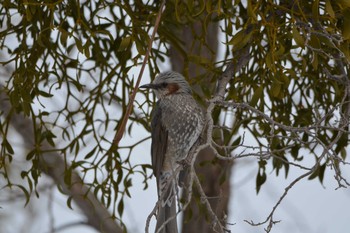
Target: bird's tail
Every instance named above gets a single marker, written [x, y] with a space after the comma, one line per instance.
[166, 217]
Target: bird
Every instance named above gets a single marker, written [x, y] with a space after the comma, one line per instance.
[176, 125]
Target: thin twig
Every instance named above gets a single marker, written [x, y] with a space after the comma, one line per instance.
[270, 216]
[120, 131]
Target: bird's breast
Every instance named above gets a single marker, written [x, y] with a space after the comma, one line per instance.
[183, 120]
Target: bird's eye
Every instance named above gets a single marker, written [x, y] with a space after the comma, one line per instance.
[163, 85]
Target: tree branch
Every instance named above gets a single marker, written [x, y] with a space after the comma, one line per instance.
[120, 131]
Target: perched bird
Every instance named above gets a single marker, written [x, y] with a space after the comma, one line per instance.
[177, 122]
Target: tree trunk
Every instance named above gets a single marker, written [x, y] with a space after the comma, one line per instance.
[214, 174]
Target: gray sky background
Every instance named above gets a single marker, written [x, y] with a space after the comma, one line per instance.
[308, 208]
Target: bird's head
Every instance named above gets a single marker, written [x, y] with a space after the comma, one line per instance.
[169, 83]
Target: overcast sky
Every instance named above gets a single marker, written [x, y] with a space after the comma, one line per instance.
[308, 208]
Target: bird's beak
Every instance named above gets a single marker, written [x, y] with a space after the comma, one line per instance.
[148, 86]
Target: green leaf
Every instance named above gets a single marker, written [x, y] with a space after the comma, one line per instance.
[321, 172]
[258, 93]
[229, 27]
[299, 40]
[261, 176]
[276, 88]
[121, 207]
[35, 174]
[140, 48]
[237, 141]
[48, 135]
[97, 189]
[31, 154]
[346, 24]
[343, 3]
[260, 179]
[286, 166]
[315, 173]
[29, 15]
[24, 174]
[69, 202]
[91, 153]
[343, 153]
[77, 148]
[315, 61]
[8, 147]
[280, 52]
[209, 6]
[200, 60]
[64, 36]
[315, 42]
[45, 94]
[329, 9]
[120, 175]
[270, 63]
[127, 185]
[342, 142]
[145, 167]
[295, 153]
[79, 44]
[240, 39]
[124, 44]
[250, 10]
[86, 49]
[68, 177]
[26, 194]
[43, 113]
[305, 137]
[315, 10]
[277, 165]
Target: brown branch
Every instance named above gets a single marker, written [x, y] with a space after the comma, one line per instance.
[120, 131]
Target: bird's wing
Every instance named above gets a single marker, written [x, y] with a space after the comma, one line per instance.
[158, 150]
[159, 141]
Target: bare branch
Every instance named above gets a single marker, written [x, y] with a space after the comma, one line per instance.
[269, 218]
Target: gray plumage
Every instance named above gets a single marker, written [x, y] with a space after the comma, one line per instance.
[177, 123]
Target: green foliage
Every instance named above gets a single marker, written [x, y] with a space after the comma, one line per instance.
[261, 176]
[67, 65]
[295, 48]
